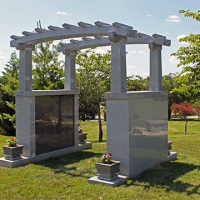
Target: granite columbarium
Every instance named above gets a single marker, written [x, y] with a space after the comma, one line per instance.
[47, 121]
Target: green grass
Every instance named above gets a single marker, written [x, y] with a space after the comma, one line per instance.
[66, 177]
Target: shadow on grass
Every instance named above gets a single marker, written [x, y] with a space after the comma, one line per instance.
[165, 176]
[180, 120]
[62, 164]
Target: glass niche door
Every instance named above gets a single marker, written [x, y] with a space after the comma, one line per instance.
[54, 122]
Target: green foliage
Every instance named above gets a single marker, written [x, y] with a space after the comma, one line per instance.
[93, 80]
[189, 59]
[12, 142]
[48, 72]
[137, 83]
[8, 85]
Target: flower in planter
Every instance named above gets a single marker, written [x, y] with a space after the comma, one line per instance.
[80, 130]
[106, 158]
[12, 142]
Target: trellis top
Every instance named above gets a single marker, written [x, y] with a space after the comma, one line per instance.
[101, 34]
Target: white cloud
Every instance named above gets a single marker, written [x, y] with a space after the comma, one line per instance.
[132, 52]
[101, 51]
[173, 60]
[149, 15]
[182, 36]
[173, 18]
[141, 52]
[62, 13]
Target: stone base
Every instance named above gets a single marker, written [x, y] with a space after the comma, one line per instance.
[172, 156]
[25, 160]
[113, 183]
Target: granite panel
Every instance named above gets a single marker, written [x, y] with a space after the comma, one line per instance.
[54, 122]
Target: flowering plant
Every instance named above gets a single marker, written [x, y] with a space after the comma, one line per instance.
[12, 142]
[106, 158]
[80, 130]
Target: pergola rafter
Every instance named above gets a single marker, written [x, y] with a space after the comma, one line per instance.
[70, 31]
[104, 41]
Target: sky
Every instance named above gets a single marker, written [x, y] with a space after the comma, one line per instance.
[146, 16]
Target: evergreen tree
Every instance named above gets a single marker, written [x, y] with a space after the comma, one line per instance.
[48, 72]
[8, 85]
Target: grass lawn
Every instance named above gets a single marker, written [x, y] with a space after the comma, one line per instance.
[66, 177]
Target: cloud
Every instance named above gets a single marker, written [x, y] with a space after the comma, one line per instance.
[141, 52]
[101, 51]
[1, 56]
[62, 13]
[182, 36]
[173, 60]
[149, 15]
[173, 18]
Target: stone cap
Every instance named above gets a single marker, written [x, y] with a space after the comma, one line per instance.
[135, 95]
[46, 92]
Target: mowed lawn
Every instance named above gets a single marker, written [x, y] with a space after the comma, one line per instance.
[66, 177]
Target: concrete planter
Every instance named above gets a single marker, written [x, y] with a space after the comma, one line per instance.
[13, 153]
[107, 171]
[82, 138]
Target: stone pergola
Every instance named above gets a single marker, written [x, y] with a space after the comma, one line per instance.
[117, 35]
[136, 121]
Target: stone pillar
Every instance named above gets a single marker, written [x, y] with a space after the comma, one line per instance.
[25, 103]
[118, 63]
[155, 82]
[70, 74]
[25, 68]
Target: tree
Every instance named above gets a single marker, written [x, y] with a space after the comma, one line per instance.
[189, 57]
[8, 84]
[169, 83]
[137, 83]
[48, 72]
[184, 110]
[93, 80]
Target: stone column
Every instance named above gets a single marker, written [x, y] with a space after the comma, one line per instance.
[118, 63]
[70, 74]
[155, 82]
[25, 68]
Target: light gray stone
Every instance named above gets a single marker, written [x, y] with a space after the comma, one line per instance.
[155, 82]
[113, 183]
[118, 66]
[127, 136]
[25, 125]
[25, 160]
[25, 70]
[70, 79]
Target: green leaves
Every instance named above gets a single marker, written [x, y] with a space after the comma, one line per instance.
[9, 83]
[189, 60]
[93, 80]
[187, 13]
[48, 72]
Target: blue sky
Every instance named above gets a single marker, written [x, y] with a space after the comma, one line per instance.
[147, 16]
